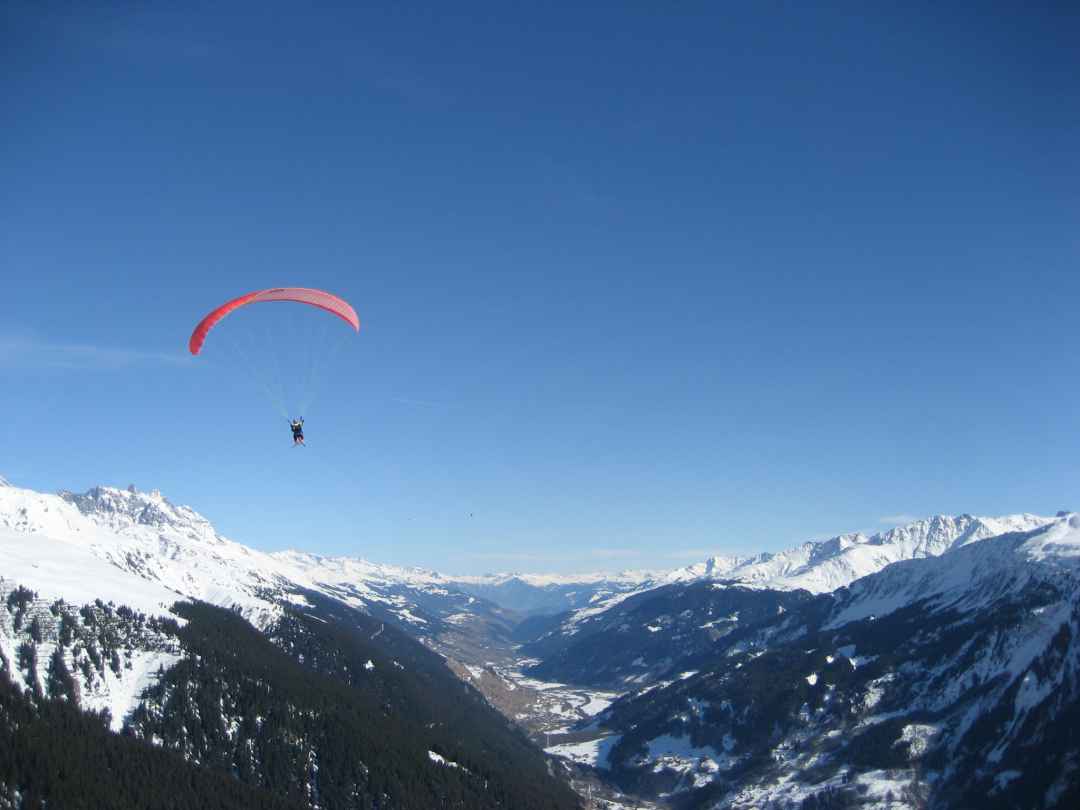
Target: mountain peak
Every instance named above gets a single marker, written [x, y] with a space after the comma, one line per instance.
[119, 509]
[825, 565]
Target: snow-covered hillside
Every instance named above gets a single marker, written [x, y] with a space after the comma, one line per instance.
[934, 648]
[179, 551]
[175, 547]
[944, 681]
[128, 540]
[816, 566]
[175, 552]
[823, 566]
[139, 550]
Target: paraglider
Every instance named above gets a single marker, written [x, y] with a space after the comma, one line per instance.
[300, 295]
[285, 357]
[297, 426]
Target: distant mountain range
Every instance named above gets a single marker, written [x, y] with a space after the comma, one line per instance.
[932, 665]
[687, 604]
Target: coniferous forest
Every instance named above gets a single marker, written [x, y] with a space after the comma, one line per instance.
[54, 755]
[314, 713]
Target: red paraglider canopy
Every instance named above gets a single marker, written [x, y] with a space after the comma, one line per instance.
[301, 295]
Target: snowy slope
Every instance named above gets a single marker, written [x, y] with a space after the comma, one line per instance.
[132, 549]
[58, 569]
[944, 681]
[922, 633]
[971, 577]
[817, 566]
[127, 534]
[144, 534]
[824, 566]
[138, 550]
[179, 551]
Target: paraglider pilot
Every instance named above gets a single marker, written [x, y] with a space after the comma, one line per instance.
[297, 426]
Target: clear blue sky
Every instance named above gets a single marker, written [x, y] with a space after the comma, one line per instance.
[638, 282]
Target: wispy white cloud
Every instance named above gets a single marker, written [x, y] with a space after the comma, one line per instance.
[23, 352]
[898, 520]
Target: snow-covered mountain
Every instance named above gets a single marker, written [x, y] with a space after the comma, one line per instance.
[174, 546]
[943, 681]
[816, 566]
[640, 636]
[138, 549]
[821, 566]
[319, 697]
[174, 551]
[936, 659]
[179, 551]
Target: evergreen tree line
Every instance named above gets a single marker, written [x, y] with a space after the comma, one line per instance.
[307, 717]
[87, 641]
[54, 755]
[315, 715]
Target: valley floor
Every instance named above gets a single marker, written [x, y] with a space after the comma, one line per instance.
[549, 712]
